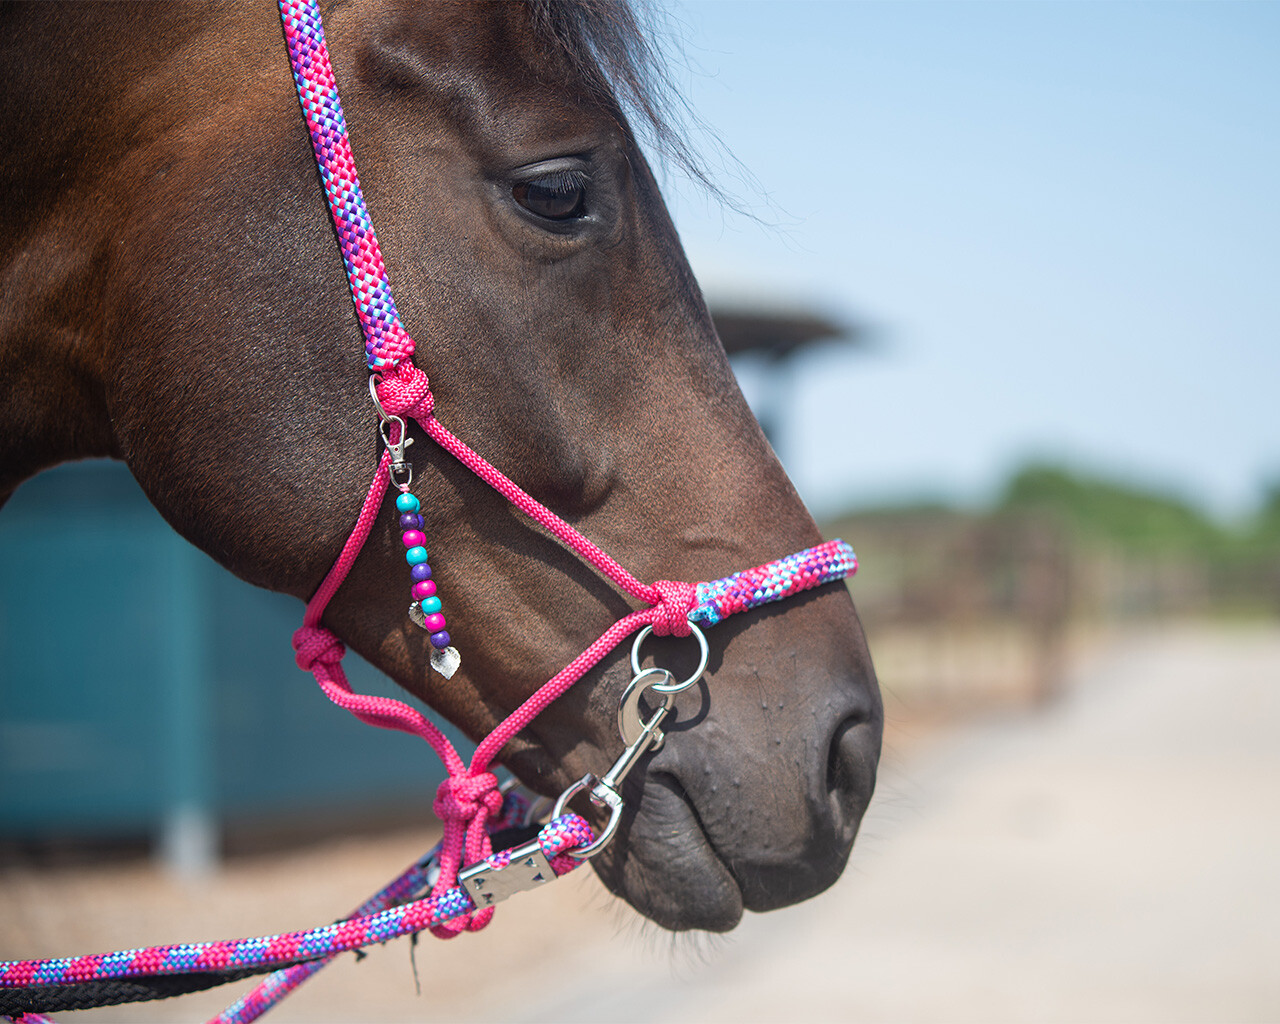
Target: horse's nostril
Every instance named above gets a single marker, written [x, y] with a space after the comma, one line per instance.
[851, 772]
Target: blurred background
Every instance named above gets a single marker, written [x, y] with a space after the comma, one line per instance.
[1000, 284]
[1035, 248]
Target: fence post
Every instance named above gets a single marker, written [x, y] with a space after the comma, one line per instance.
[188, 839]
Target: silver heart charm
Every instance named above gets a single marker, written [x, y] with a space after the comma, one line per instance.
[446, 662]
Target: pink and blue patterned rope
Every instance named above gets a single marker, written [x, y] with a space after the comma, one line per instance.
[403, 388]
[276, 986]
[567, 832]
[261, 951]
[387, 343]
[415, 879]
[772, 581]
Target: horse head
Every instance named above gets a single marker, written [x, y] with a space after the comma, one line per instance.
[173, 298]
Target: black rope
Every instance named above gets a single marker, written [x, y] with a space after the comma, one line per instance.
[84, 995]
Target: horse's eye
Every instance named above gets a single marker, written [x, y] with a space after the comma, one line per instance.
[560, 195]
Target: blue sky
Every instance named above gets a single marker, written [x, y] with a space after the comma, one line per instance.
[1063, 219]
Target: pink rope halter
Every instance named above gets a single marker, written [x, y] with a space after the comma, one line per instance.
[467, 798]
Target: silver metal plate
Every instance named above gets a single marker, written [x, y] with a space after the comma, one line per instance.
[529, 869]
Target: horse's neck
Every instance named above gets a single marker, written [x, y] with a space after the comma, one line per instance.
[84, 91]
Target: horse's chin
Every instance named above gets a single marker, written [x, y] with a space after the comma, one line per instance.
[663, 864]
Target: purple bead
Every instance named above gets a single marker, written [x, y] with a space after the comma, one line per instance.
[440, 640]
[411, 521]
[420, 572]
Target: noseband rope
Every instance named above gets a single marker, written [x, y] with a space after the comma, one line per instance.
[468, 801]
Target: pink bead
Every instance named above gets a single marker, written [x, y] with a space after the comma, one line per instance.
[414, 538]
[424, 589]
[434, 622]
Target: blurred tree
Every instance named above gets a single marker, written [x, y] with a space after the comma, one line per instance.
[1133, 518]
[1266, 526]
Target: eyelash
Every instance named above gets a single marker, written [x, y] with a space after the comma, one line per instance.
[563, 181]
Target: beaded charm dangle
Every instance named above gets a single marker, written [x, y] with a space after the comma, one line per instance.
[425, 610]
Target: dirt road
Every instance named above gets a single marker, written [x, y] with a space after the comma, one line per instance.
[1115, 858]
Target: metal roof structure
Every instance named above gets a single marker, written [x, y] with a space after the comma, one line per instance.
[777, 331]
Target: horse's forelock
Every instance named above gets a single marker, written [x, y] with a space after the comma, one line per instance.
[620, 56]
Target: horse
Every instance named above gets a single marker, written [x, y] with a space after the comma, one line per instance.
[170, 297]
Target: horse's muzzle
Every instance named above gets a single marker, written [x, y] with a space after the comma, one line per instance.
[842, 786]
[749, 811]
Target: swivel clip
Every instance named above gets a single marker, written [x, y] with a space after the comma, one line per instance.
[401, 468]
[392, 426]
[641, 736]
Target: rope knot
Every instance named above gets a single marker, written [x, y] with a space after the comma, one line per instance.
[315, 644]
[675, 602]
[406, 389]
[459, 798]
[465, 803]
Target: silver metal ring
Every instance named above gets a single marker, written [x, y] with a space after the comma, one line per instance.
[601, 797]
[374, 379]
[704, 654]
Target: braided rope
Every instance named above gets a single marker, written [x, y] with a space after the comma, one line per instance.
[386, 341]
[772, 581]
[413, 880]
[538, 512]
[562, 834]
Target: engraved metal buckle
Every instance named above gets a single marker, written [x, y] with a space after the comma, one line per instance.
[527, 869]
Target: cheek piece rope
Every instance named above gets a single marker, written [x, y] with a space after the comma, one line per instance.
[469, 801]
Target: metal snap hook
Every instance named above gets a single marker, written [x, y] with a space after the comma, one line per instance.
[396, 448]
[641, 737]
[401, 468]
[704, 654]
[631, 723]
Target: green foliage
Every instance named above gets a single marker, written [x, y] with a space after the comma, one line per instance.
[1130, 547]
[1128, 517]
[1266, 526]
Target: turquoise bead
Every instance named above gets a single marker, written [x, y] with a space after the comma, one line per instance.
[430, 604]
[407, 502]
[415, 555]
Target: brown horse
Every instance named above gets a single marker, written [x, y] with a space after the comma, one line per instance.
[171, 295]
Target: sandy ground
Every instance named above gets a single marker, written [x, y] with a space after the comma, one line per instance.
[1113, 858]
